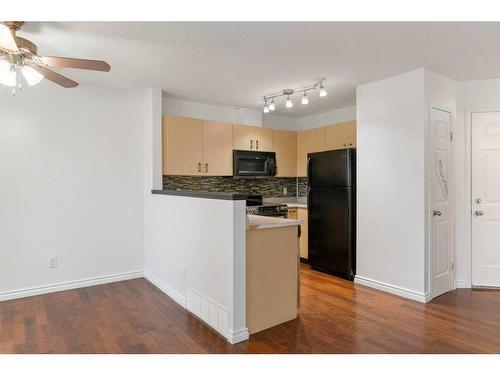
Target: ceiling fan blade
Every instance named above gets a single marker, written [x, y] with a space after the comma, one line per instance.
[54, 77]
[7, 42]
[67, 62]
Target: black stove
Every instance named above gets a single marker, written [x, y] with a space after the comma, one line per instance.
[268, 210]
[255, 206]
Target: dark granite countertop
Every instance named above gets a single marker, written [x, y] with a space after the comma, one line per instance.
[203, 194]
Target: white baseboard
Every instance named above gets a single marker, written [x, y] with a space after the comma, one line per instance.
[165, 289]
[462, 284]
[238, 336]
[389, 288]
[44, 289]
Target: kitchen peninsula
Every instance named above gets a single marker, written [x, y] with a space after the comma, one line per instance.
[239, 273]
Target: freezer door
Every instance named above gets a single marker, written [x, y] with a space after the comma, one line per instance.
[331, 236]
[330, 168]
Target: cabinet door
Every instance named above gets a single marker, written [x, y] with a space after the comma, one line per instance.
[285, 146]
[308, 141]
[292, 213]
[217, 148]
[263, 138]
[304, 250]
[182, 146]
[243, 138]
[351, 134]
[336, 136]
[339, 136]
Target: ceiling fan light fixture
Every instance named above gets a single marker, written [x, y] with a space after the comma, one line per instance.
[31, 75]
[7, 42]
[8, 76]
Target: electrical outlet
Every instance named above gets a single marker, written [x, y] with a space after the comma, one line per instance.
[52, 262]
[285, 191]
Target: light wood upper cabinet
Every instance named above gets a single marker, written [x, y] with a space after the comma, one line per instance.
[285, 146]
[252, 138]
[263, 138]
[243, 137]
[312, 140]
[217, 148]
[341, 136]
[182, 146]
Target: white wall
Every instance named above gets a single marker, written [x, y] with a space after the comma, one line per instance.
[71, 186]
[185, 108]
[471, 96]
[249, 116]
[393, 246]
[327, 118]
[279, 122]
[391, 183]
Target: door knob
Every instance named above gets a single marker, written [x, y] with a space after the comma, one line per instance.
[437, 213]
[478, 213]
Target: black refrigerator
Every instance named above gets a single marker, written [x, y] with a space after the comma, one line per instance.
[331, 201]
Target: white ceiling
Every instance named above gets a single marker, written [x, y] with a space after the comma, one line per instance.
[237, 63]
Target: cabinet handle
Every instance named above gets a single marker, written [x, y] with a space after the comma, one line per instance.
[251, 144]
[257, 143]
[199, 167]
[206, 167]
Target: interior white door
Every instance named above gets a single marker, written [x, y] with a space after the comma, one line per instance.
[486, 199]
[441, 213]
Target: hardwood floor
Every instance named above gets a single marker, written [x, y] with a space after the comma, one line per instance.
[336, 316]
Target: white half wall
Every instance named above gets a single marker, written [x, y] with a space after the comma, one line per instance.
[472, 96]
[391, 184]
[71, 187]
[195, 253]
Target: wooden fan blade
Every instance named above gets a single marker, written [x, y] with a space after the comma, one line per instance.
[67, 62]
[55, 77]
[7, 42]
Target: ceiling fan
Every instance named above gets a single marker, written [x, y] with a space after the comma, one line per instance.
[19, 59]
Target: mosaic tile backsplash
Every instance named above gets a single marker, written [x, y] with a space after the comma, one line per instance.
[267, 186]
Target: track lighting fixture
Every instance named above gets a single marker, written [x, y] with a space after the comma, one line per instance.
[269, 104]
[272, 106]
[322, 90]
[305, 99]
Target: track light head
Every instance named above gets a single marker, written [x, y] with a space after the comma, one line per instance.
[289, 103]
[305, 99]
[272, 106]
[322, 90]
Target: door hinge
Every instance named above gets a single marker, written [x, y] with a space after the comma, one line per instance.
[451, 136]
[452, 265]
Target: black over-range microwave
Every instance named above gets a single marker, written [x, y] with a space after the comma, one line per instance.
[254, 163]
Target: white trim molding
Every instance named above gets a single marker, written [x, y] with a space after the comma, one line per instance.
[177, 297]
[462, 284]
[58, 287]
[393, 289]
[240, 335]
[215, 315]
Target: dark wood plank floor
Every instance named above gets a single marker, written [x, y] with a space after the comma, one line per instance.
[335, 317]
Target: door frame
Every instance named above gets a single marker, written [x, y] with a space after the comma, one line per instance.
[467, 283]
[429, 208]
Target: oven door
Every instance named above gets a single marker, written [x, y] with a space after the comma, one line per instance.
[253, 163]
